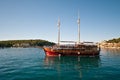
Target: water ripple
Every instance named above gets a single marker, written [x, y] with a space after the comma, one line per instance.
[31, 64]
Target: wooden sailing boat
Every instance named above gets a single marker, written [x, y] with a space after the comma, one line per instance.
[76, 49]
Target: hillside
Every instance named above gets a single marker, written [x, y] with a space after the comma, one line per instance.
[25, 43]
[112, 43]
[115, 40]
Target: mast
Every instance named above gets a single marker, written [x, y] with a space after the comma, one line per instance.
[78, 21]
[58, 24]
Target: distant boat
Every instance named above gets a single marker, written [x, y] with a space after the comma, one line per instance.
[75, 49]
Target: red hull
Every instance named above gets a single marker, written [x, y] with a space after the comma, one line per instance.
[72, 54]
[51, 54]
[48, 52]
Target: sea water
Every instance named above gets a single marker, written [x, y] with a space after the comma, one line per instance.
[32, 64]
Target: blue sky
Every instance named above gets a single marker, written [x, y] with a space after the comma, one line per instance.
[37, 19]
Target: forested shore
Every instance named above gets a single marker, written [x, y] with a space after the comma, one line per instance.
[25, 43]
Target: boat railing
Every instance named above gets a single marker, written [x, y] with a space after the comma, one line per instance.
[74, 46]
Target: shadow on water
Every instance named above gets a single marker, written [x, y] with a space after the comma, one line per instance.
[79, 65]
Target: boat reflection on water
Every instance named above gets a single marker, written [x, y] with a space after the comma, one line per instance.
[72, 64]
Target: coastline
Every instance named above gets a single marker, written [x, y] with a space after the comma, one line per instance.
[110, 45]
[25, 43]
[23, 47]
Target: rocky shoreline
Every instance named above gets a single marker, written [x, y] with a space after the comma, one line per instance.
[110, 45]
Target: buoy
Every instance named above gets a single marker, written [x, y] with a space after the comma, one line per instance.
[78, 52]
[59, 55]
